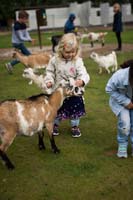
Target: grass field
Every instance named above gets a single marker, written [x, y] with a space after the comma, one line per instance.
[87, 168]
[110, 38]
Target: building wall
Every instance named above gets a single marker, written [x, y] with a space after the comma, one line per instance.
[85, 15]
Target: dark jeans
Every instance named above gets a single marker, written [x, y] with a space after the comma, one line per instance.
[118, 36]
[24, 51]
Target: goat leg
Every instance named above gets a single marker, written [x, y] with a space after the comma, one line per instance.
[92, 44]
[40, 141]
[6, 160]
[53, 145]
[53, 48]
[102, 44]
[108, 70]
[100, 70]
[49, 127]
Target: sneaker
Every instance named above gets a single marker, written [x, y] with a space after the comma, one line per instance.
[122, 151]
[55, 130]
[76, 132]
[9, 68]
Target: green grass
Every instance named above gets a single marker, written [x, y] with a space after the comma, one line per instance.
[45, 36]
[84, 170]
[110, 38]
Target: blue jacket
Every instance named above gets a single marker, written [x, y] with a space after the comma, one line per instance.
[117, 24]
[69, 25]
[120, 90]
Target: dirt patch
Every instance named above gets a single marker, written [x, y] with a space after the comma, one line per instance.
[104, 50]
[85, 49]
[8, 53]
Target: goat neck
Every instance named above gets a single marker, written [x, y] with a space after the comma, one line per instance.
[56, 99]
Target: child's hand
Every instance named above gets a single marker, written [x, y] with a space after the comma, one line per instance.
[33, 41]
[79, 83]
[49, 85]
[130, 106]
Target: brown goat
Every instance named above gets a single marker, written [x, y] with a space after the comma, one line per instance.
[35, 61]
[27, 117]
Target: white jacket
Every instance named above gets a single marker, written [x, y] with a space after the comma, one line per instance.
[58, 69]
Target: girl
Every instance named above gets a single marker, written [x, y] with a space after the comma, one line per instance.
[120, 88]
[64, 65]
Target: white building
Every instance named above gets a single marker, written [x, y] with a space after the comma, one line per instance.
[86, 15]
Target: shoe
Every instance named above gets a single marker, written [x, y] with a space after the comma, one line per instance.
[9, 68]
[76, 132]
[55, 130]
[122, 151]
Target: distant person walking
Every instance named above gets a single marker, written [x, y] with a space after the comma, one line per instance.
[117, 25]
[69, 25]
[19, 36]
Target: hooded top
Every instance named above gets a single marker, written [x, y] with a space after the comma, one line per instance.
[69, 25]
[117, 24]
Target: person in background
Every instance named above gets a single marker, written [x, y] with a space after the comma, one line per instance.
[117, 25]
[69, 25]
[120, 88]
[64, 65]
[19, 36]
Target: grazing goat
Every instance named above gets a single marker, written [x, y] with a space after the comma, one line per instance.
[105, 61]
[96, 37]
[28, 117]
[35, 61]
[55, 40]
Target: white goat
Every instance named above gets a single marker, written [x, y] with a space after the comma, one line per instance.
[28, 117]
[97, 37]
[105, 61]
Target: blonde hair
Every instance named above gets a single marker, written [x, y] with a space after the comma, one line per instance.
[68, 42]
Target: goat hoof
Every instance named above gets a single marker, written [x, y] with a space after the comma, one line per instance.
[56, 151]
[41, 147]
[10, 166]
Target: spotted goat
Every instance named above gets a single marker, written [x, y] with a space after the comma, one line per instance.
[29, 116]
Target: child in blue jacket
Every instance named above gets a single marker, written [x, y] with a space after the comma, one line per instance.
[120, 88]
[19, 36]
[117, 25]
[69, 25]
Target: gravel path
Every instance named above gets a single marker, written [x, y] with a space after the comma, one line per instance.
[85, 49]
